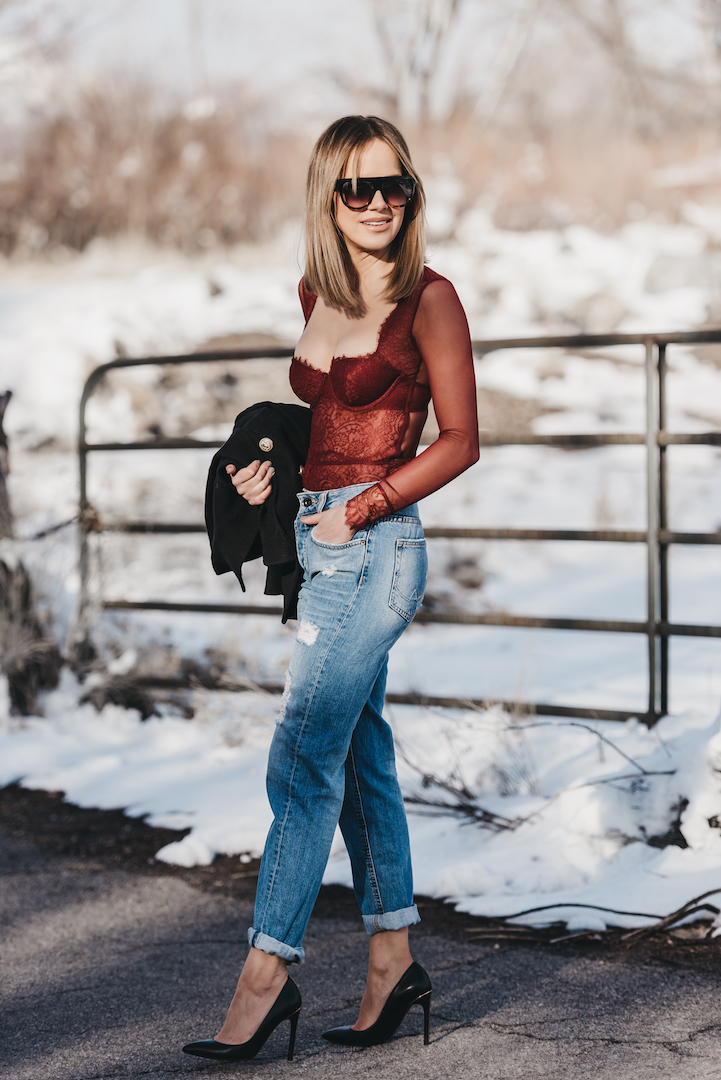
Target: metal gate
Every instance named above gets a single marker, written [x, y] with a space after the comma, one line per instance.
[657, 537]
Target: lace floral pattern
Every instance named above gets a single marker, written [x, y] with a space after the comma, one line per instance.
[362, 406]
[306, 381]
[367, 507]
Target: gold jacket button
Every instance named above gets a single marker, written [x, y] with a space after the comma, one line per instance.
[266, 445]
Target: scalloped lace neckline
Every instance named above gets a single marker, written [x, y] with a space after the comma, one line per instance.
[361, 356]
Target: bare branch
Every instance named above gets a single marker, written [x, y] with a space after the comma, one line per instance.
[590, 907]
[412, 38]
[506, 62]
[608, 28]
[45, 26]
[603, 739]
[689, 908]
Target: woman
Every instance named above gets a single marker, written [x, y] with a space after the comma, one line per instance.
[384, 334]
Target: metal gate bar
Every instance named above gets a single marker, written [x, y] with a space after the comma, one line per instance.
[657, 537]
[460, 618]
[662, 529]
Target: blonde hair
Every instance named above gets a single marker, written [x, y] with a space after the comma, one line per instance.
[329, 270]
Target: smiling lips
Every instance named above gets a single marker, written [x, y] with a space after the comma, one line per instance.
[376, 223]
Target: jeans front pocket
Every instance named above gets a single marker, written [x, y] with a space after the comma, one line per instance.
[355, 541]
[335, 561]
[409, 577]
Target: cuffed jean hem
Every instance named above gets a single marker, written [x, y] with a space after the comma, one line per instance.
[270, 945]
[391, 920]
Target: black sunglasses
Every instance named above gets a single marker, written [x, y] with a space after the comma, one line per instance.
[397, 191]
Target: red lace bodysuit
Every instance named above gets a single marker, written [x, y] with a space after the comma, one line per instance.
[369, 411]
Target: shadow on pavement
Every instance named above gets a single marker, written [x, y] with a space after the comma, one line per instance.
[112, 962]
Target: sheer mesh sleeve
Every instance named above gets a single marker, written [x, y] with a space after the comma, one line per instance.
[441, 332]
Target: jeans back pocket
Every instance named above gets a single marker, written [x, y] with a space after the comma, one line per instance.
[409, 577]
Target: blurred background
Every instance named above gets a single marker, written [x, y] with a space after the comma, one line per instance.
[187, 123]
[151, 186]
[151, 189]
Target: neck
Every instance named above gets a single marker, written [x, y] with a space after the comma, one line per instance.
[373, 268]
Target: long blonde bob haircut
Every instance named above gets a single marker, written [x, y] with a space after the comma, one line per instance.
[329, 270]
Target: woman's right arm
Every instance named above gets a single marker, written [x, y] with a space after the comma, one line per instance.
[254, 481]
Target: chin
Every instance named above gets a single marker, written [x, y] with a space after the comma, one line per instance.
[375, 242]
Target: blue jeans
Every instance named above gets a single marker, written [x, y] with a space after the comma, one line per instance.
[332, 759]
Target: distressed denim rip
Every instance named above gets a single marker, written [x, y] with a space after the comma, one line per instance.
[332, 759]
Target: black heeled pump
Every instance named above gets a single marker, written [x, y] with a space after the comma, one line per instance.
[414, 988]
[287, 1007]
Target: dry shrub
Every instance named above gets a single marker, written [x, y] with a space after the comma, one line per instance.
[573, 113]
[195, 178]
[117, 164]
[552, 178]
[29, 657]
[558, 181]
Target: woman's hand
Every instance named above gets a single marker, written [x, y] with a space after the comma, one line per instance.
[252, 482]
[330, 526]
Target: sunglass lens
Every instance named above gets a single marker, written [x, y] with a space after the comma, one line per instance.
[396, 193]
[360, 198]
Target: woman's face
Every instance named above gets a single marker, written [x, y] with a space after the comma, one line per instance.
[372, 230]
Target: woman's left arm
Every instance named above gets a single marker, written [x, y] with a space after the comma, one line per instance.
[441, 332]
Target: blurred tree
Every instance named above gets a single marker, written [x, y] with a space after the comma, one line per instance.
[413, 35]
[607, 24]
[44, 25]
[6, 517]
[709, 22]
[505, 62]
[657, 87]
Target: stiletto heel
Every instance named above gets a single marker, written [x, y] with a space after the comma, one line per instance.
[426, 1003]
[291, 1041]
[287, 1006]
[414, 988]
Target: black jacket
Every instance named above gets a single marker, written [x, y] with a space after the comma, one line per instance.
[239, 532]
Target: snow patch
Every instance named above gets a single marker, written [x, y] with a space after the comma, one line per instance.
[582, 815]
[577, 821]
[190, 851]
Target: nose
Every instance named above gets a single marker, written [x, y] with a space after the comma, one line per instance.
[378, 202]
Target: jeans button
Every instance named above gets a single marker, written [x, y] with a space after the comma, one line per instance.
[307, 501]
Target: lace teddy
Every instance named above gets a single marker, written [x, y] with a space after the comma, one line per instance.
[369, 411]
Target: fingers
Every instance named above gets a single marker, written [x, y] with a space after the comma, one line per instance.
[257, 489]
[253, 482]
[243, 474]
[330, 526]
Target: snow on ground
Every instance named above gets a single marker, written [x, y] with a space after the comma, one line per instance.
[585, 838]
[579, 805]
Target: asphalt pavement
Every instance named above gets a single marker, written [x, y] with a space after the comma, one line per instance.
[111, 962]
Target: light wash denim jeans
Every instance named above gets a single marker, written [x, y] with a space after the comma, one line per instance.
[332, 759]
